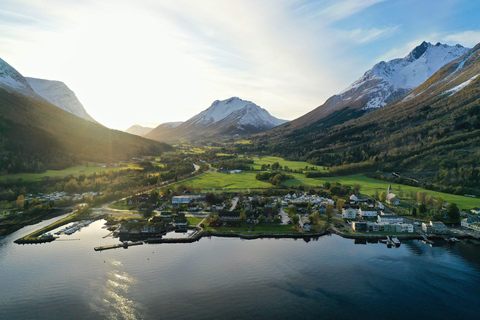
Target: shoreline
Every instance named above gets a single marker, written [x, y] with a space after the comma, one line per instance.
[328, 231]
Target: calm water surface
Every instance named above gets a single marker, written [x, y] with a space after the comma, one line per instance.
[225, 278]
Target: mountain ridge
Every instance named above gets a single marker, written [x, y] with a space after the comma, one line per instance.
[224, 117]
[384, 83]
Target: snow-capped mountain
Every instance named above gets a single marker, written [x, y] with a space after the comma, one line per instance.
[226, 117]
[383, 84]
[11, 79]
[54, 92]
[450, 79]
[387, 81]
[58, 94]
[246, 113]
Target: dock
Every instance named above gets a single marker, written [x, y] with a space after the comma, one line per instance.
[120, 245]
[426, 239]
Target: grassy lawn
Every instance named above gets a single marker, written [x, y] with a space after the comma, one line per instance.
[215, 180]
[294, 165]
[369, 186]
[193, 221]
[122, 205]
[127, 215]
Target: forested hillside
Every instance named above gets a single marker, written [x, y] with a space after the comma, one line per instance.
[35, 136]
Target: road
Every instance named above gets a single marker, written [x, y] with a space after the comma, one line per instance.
[234, 203]
[106, 206]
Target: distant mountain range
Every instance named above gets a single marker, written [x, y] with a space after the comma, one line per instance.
[138, 130]
[36, 133]
[229, 117]
[383, 84]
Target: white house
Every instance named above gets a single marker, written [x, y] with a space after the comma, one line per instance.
[404, 227]
[349, 212]
[356, 198]
[469, 221]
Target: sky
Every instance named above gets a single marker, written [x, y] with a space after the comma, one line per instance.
[153, 61]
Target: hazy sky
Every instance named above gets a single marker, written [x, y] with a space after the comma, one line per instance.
[154, 61]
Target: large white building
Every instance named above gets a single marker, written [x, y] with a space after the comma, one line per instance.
[368, 213]
[184, 199]
[472, 223]
[434, 227]
[389, 218]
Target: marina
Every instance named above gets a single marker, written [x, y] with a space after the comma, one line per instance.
[71, 229]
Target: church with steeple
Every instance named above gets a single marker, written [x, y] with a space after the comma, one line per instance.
[392, 197]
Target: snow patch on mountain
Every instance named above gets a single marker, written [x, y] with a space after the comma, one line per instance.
[58, 94]
[461, 86]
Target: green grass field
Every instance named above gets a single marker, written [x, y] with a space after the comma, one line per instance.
[294, 165]
[369, 186]
[244, 180]
[76, 171]
[193, 221]
[243, 142]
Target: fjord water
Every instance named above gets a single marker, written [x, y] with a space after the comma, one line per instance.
[227, 278]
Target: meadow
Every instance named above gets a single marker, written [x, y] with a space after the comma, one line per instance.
[214, 180]
[75, 171]
[294, 165]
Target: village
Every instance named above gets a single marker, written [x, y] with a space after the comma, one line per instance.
[298, 213]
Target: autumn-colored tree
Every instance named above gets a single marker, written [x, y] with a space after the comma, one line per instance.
[21, 201]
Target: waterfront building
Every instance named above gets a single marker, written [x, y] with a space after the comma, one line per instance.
[389, 218]
[434, 227]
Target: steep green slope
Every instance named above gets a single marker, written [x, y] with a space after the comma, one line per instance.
[36, 135]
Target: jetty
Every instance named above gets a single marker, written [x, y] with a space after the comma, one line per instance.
[125, 245]
[426, 239]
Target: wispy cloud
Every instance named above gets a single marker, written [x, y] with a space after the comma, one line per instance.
[468, 38]
[328, 12]
[364, 36]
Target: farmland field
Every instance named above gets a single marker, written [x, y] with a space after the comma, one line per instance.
[294, 165]
[242, 180]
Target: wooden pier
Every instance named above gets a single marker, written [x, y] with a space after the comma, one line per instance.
[120, 245]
